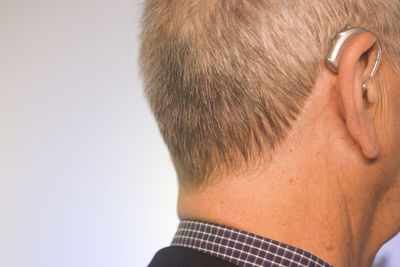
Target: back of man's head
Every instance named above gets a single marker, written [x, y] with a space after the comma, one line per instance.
[226, 79]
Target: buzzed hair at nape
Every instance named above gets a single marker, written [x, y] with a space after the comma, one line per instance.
[226, 79]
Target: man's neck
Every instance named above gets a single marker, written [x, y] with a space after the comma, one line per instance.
[313, 213]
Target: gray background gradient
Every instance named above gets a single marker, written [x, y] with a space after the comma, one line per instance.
[85, 178]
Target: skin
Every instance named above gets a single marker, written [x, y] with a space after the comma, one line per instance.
[333, 186]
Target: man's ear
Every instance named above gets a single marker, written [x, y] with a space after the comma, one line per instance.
[355, 66]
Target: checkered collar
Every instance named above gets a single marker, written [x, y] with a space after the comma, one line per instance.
[241, 248]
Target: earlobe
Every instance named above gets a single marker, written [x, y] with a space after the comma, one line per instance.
[356, 68]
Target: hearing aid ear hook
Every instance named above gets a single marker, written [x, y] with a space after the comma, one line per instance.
[339, 44]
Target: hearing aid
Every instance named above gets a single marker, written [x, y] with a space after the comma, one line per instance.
[339, 44]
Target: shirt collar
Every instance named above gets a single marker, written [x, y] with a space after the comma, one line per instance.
[241, 248]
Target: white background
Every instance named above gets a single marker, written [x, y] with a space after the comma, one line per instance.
[85, 179]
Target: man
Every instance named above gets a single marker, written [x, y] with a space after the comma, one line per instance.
[281, 161]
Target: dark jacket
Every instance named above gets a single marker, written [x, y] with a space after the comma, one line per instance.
[185, 257]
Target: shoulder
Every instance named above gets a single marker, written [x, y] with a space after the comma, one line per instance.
[179, 256]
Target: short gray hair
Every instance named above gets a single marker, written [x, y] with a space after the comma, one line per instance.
[226, 79]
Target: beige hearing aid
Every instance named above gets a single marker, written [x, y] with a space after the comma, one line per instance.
[339, 44]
